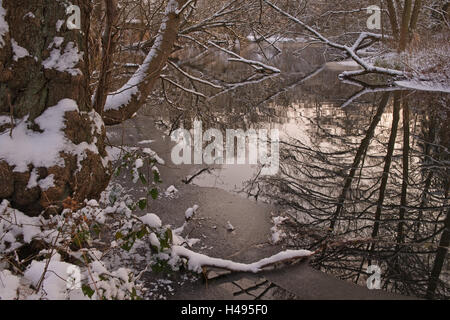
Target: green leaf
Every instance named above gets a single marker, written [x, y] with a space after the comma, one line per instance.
[142, 203]
[156, 177]
[87, 291]
[119, 235]
[142, 178]
[154, 193]
[167, 240]
[142, 233]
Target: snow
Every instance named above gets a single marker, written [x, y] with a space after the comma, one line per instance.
[114, 153]
[14, 224]
[27, 147]
[171, 191]
[57, 42]
[66, 61]
[42, 149]
[59, 24]
[151, 220]
[229, 226]
[4, 28]
[121, 97]
[146, 141]
[47, 183]
[139, 163]
[154, 240]
[55, 281]
[277, 234]
[274, 39]
[19, 52]
[9, 284]
[44, 184]
[190, 212]
[154, 155]
[433, 86]
[32, 182]
[196, 260]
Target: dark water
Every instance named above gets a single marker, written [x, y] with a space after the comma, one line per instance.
[360, 179]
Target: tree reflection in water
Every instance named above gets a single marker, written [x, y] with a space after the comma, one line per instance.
[364, 174]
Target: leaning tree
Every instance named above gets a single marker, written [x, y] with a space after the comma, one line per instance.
[52, 138]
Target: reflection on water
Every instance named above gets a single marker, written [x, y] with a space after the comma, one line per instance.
[368, 183]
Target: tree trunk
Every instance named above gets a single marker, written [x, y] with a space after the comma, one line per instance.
[415, 16]
[123, 103]
[393, 18]
[404, 31]
[53, 145]
[109, 45]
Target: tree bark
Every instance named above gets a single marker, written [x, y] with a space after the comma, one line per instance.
[109, 45]
[32, 82]
[393, 18]
[141, 83]
[415, 16]
[404, 31]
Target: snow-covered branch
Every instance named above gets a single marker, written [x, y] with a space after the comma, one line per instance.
[351, 51]
[123, 103]
[197, 261]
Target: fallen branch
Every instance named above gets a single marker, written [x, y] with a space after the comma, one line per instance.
[197, 261]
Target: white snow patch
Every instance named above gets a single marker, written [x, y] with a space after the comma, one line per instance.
[59, 24]
[27, 147]
[154, 241]
[229, 226]
[196, 260]
[19, 52]
[151, 220]
[9, 284]
[154, 155]
[55, 283]
[57, 42]
[190, 212]
[66, 61]
[32, 182]
[146, 141]
[433, 86]
[47, 183]
[171, 191]
[277, 233]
